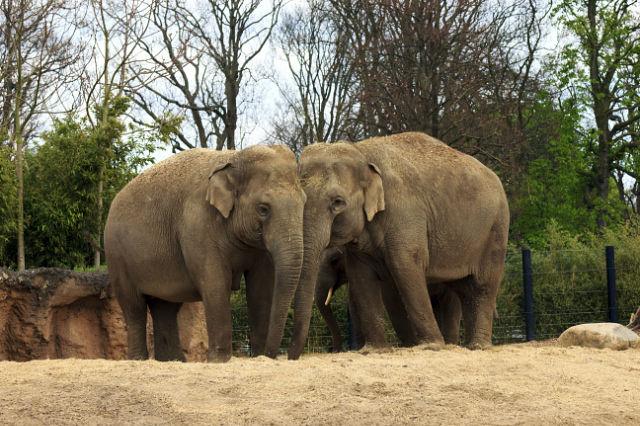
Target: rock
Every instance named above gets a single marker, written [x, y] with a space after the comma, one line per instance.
[57, 313]
[600, 335]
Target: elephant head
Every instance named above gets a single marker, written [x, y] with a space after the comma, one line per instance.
[344, 192]
[258, 192]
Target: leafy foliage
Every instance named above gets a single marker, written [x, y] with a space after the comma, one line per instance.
[60, 187]
[569, 282]
[8, 206]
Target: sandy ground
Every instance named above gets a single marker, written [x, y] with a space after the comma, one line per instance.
[528, 384]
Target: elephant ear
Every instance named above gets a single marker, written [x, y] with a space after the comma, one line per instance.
[220, 192]
[373, 192]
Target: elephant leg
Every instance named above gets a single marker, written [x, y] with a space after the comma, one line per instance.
[166, 338]
[365, 292]
[134, 310]
[332, 324]
[448, 312]
[478, 305]
[259, 282]
[356, 340]
[407, 262]
[330, 279]
[216, 293]
[398, 314]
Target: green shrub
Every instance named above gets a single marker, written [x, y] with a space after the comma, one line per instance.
[569, 282]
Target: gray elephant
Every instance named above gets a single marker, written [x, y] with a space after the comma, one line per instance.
[410, 207]
[187, 229]
[333, 274]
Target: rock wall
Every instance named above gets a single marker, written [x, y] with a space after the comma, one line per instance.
[56, 313]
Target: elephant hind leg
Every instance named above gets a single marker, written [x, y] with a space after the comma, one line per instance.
[134, 309]
[447, 310]
[398, 314]
[166, 338]
[478, 301]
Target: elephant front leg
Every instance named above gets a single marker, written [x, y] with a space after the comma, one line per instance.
[356, 341]
[218, 315]
[259, 283]
[407, 264]
[397, 314]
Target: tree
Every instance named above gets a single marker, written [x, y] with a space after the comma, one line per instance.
[116, 29]
[552, 188]
[601, 66]
[459, 70]
[197, 65]
[61, 182]
[8, 206]
[322, 105]
[37, 48]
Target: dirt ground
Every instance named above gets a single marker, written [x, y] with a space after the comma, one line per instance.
[528, 384]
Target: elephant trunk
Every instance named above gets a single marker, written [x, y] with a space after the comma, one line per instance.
[316, 239]
[286, 252]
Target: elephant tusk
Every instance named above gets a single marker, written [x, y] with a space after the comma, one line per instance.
[326, 302]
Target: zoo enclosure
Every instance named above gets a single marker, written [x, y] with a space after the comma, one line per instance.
[542, 294]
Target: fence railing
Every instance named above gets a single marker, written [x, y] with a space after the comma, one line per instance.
[542, 294]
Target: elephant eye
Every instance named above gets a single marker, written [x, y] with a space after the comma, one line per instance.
[263, 209]
[338, 203]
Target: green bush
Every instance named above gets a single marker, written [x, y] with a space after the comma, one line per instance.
[569, 282]
[8, 207]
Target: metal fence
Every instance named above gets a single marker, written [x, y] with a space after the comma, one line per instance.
[546, 292]
[542, 294]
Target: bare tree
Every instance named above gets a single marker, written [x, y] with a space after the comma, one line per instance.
[460, 70]
[37, 49]
[198, 64]
[179, 79]
[322, 105]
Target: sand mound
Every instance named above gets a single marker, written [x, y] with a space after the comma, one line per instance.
[529, 384]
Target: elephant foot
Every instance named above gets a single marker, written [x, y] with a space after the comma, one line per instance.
[173, 357]
[137, 357]
[375, 349]
[218, 357]
[475, 346]
[292, 356]
[432, 346]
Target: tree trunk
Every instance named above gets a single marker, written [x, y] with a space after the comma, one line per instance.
[100, 204]
[20, 176]
[231, 118]
[601, 96]
[17, 137]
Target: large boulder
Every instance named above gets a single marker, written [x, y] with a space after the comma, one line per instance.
[600, 335]
[57, 313]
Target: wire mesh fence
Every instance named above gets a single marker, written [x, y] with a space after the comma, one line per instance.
[569, 288]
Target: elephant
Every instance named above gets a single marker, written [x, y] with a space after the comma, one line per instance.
[409, 206]
[332, 275]
[189, 227]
